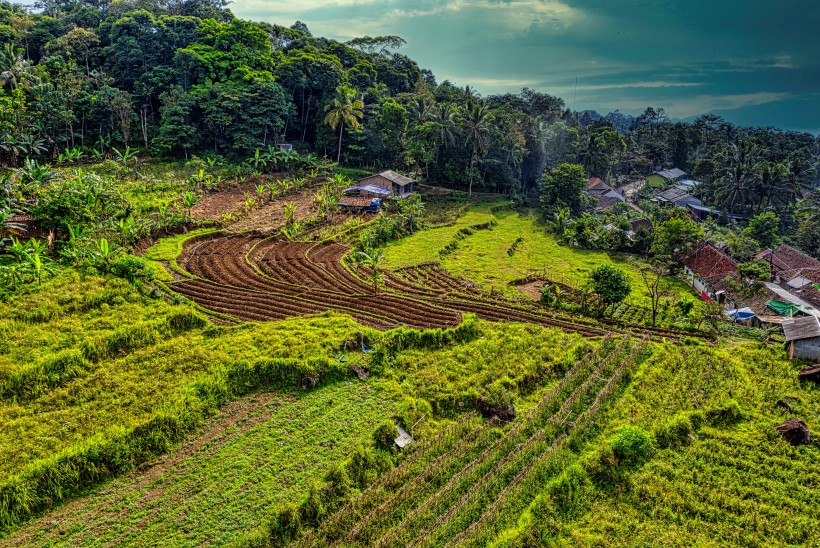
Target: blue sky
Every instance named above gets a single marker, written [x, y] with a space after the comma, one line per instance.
[756, 62]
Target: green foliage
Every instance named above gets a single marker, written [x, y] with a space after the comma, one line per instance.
[384, 434]
[675, 238]
[764, 228]
[564, 187]
[675, 431]
[632, 445]
[610, 284]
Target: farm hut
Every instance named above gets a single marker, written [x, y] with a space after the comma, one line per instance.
[355, 204]
[366, 191]
[398, 185]
[803, 338]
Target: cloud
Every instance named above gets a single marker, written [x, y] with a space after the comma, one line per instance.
[693, 57]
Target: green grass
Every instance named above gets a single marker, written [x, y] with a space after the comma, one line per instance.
[229, 483]
[482, 256]
[730, 482]
[134, 363]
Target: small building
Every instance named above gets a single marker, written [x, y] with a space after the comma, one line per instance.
[356, 204]
[707, 263]
[803, 338]
[666, 176]
[795, 272]
[397, 184]
[603, 194]
[677, 195]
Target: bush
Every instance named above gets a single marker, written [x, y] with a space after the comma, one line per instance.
[384, 435]
[569, 489]
[631, 445]
[131, 268]
[725, 414]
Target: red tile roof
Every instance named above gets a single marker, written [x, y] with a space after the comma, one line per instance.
[708, 261]
[789, 262]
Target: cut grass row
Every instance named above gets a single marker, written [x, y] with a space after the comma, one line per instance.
[225, 486]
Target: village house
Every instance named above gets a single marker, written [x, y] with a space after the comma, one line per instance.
[795, 272]
[603, 194]
[666, 176]
[706, 263]
[398, 185]
[803, 338]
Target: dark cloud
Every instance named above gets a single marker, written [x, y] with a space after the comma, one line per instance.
[736, 57]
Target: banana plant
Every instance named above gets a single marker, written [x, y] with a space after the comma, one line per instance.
[189, 200]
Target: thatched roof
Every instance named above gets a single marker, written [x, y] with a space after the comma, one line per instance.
[807, 327]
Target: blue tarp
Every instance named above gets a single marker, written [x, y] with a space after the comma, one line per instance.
[369, 188]
[741, 314]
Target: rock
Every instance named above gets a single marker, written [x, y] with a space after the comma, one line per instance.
[309, 382]
[786, 403]
[359, 371]
[795, 432]
[810, 374]
[487, 411]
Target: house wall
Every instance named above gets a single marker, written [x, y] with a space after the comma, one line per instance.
[807, 349]
[696, 282]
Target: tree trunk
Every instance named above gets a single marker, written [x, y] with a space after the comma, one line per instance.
[339, 154]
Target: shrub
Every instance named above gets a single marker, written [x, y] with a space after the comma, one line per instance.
[725, 414]
[631, 445]
[384, 435]
[185, 320]
[131, 268]
[569, 489]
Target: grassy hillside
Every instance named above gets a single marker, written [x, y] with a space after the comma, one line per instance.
[718, 475]
[482, 256]
[263, 450]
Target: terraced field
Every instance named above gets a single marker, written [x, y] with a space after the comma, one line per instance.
[261, 279]
[466, 484]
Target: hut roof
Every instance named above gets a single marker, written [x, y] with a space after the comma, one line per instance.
[391, 176]
[355, 201]
[797, 329]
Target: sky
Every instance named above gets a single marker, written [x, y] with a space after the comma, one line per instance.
[755, 62]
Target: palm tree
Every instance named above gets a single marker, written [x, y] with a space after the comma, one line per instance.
[421, 110]
[735, 184]
[476, 128]
[343, 110]
[12, 67]
[447, 119]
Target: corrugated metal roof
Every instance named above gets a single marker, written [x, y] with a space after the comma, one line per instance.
[797, 329]
[391, 176]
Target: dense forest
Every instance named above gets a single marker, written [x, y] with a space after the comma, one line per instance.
[86, 80]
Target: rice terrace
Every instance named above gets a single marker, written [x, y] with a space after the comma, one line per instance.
[264, 288]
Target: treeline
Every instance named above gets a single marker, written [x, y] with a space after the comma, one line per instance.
[187, 77]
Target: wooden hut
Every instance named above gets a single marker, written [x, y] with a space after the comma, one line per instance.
[803, 338]
[397, 184]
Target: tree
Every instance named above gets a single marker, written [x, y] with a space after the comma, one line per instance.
[373, 260]
[657, 286]
[564, 186]
[764, 228]
[675, 238]
[475, 124]
[344, 110]
[611, 284]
